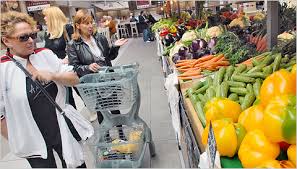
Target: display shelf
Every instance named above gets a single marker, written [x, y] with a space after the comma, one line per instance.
[190, 149]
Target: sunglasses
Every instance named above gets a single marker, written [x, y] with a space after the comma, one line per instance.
[25, 37]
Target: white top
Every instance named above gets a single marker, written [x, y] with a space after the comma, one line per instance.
[24, 136]
[94, 48]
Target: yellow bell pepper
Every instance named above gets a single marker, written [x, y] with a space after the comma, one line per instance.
[278, 83]
[279, 121]
[218, 108]
[252, 118]
[256, 149]
[277, 164]
[291, 152]
[227, 134]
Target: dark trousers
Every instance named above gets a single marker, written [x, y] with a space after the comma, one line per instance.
[50, 161]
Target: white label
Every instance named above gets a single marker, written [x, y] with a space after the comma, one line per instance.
[37, 8]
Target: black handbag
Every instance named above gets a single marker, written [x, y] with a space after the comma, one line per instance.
[52, 101]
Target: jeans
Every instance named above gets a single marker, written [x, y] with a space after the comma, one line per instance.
[146, 34]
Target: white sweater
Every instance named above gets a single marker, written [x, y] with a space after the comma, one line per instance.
[24, 136]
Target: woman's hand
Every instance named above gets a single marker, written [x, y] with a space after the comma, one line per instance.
[120, 42]
[94, 67]
[43, 76]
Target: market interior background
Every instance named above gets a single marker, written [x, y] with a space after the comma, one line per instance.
[174, 150]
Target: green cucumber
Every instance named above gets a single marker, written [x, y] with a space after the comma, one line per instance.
[248, 101]
[202, 89]
[233, 96]
[239, 69]
[256, 69]
[239, 90]
[255, 75]
[229, 72]
[218, 91]
[200, 113]
[210, 93]
[277, 62]
[267, 60]
[220, 76]
[249, 87]
[202, 98]
[244, 79]
[236, 84]
[267, 70]
[255, 62]
[240, 99]
[224, 89]
[257, 87]
[209, 81]
[197, 85]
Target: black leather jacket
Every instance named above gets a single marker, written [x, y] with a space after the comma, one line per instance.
[80, 55]
[58, 45]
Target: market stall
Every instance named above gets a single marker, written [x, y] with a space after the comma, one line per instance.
[237, 86]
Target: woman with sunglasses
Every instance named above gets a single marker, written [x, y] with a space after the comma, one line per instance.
[29, 121]
[56, 37]
[89, 50]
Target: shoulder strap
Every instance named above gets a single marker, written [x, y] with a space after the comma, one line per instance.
[38, 84]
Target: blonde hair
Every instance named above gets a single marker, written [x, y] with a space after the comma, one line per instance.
[11, 18]
[81, 16]
[56, 20]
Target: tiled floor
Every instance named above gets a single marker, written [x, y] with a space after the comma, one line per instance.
[154, 108]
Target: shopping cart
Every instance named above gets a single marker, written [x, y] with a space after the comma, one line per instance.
[116, 88]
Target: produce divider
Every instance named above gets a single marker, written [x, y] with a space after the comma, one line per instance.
[225, 74]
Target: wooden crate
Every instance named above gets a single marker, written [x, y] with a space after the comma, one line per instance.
[194, 121]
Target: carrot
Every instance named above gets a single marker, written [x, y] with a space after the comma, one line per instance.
[190, 77]
[191, 73]
[187, 60]
[181, 64]
[202, 59]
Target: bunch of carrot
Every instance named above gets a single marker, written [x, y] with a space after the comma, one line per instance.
[191, 69]
[260, 42]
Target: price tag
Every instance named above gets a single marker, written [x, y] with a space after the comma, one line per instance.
[212, 147]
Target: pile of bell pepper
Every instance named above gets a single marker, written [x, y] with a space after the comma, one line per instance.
[263, 135]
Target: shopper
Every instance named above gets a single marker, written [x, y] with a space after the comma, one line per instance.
[110, 23]
[133, 18]
[144, 27]
[150, 18]
[34, 127]
[56, 37]
[89, 51]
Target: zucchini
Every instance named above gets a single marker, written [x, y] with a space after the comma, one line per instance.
[210, 93]
[224, 89]
[218, 91]
[277, 62]
[233, 96]
[240, 99]
[267, 60]
[202, 89]
[229, 72]
[209, 81]
[256, 69]
[200, 113]
[249, 87]
[267, 70]
[257, 87]
[244, 79]
[197, 85]
[239, 90]
[255, 75]
[220, 76]
[248, 101]
[239, 69]
[236, 84]
[202, 98]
